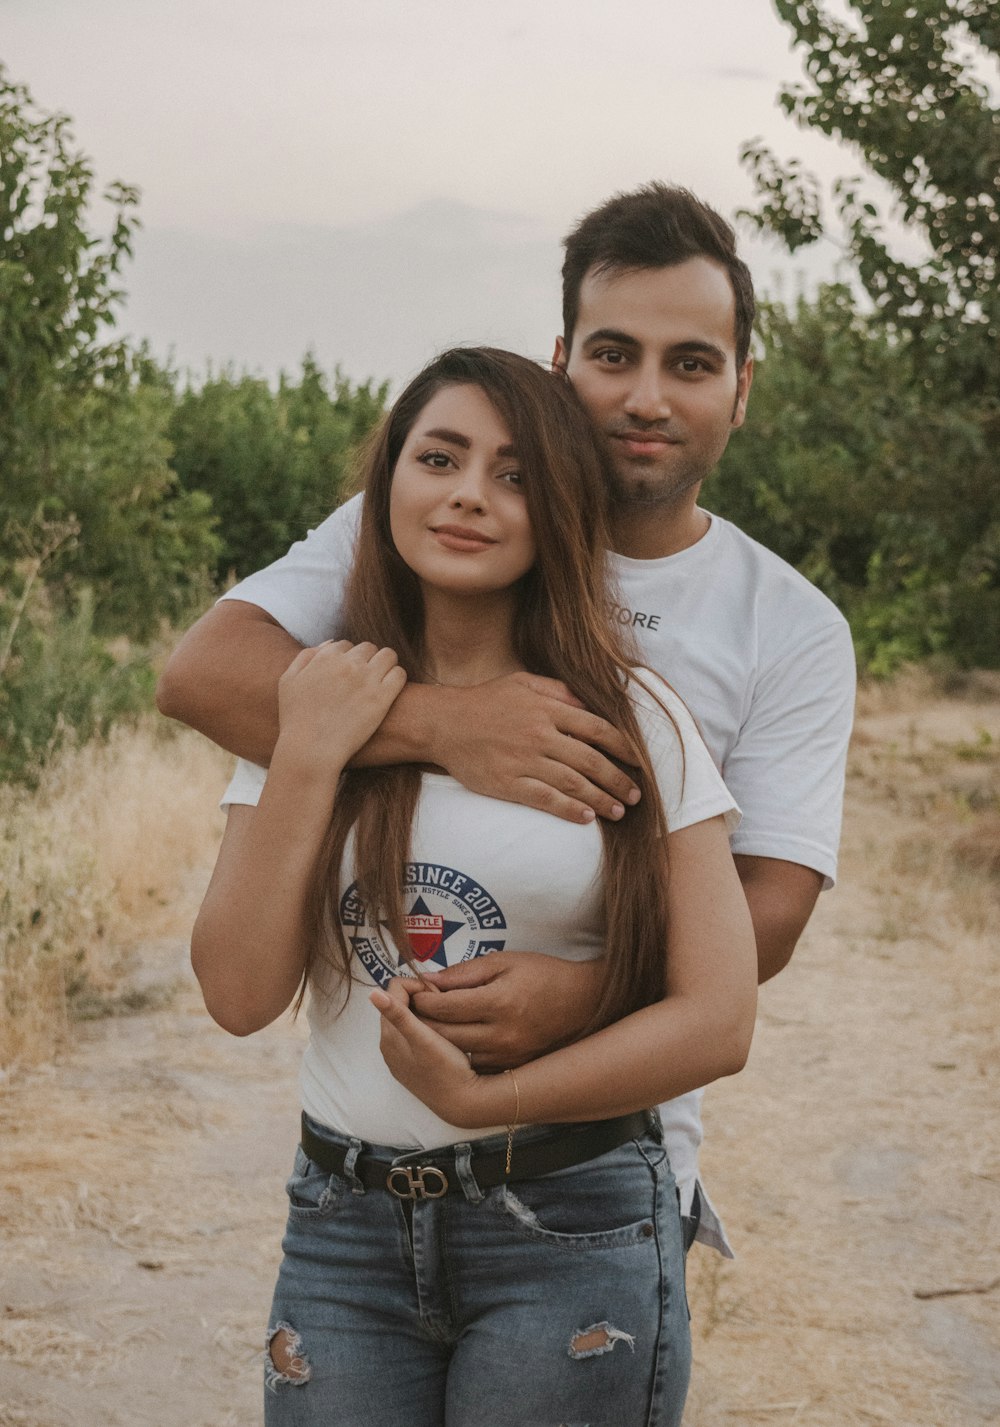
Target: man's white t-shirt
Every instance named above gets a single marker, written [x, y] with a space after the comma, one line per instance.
[762, 659]
[483, 875]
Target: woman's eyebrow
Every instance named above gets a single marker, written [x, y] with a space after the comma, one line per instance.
[455, 438]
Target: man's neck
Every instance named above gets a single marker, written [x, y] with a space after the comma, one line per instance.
[644, 532]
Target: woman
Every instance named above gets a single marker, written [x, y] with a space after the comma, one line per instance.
[529, 1268]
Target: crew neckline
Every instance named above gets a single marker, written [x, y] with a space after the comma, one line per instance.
[690, 552]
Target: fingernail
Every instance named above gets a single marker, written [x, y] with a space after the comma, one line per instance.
[588, 815]
[633, 797]
[617, 811]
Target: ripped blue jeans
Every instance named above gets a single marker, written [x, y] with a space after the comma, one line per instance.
[554, 1302]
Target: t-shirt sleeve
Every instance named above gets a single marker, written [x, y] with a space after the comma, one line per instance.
[304, 590]
[245, 786]
[787, 766]
[691, 787]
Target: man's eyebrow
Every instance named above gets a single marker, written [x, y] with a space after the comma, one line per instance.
[455, 438]
[611, 334]
[700, 348]
[695, 345]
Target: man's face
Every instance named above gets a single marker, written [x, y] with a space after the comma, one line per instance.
[653, 359]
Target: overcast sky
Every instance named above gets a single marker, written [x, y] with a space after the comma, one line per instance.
[377, 178]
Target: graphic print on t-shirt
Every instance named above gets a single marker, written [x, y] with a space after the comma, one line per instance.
[449, 918]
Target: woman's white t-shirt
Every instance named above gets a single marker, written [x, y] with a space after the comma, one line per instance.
[484, 876]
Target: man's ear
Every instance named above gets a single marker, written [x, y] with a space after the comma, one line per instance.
[559, 356]
[743, 384]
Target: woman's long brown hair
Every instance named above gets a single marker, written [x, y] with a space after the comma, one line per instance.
[562, 630]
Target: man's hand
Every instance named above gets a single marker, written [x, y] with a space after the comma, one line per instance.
[521, 738]
[526, 739]
[510, 1007]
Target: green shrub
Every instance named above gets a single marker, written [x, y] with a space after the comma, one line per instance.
[62, 682]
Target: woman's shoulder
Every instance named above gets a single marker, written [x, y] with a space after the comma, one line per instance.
[657, 704]
[690, 784]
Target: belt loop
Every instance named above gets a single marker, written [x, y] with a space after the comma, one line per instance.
[655, 1124]
[350, 1160]
[466, 1178]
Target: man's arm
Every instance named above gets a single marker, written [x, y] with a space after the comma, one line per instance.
[222, 679]
[781, 897]
[522, 738]
[513, 1006]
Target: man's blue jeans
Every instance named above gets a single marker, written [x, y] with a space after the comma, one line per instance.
[552, 1302]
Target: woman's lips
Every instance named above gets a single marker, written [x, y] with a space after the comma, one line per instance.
[455, 537]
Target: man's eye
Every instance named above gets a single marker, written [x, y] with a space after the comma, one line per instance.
[692, 366]
[610, 357]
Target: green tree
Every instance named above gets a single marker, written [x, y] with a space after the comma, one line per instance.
[898, 81]
[839, 470]
[82, 418]
[95, 535]
[274, 462]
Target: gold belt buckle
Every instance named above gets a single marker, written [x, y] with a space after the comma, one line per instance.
[421, 1181]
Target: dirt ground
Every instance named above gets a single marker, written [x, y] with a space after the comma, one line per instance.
[856, 1160]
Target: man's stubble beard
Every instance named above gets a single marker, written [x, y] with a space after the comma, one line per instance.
[655, 490]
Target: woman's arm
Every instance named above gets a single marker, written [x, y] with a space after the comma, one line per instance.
[700, 1031]
[250, 940]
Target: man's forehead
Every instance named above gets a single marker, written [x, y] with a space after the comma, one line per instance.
[687, 301]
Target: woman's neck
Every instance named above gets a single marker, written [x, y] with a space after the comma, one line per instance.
[469, 639]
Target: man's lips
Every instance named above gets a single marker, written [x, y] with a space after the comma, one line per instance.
[458, 537]
[643, 443]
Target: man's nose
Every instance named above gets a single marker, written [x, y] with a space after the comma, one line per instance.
[647, 398]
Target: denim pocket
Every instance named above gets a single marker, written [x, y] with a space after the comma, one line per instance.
[608, 1202]
[313, 1193]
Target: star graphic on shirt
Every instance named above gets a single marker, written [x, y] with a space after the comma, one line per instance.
[429, 933]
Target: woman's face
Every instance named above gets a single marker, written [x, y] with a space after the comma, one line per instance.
[457, 509]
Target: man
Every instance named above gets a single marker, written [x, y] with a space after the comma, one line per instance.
[657, 317]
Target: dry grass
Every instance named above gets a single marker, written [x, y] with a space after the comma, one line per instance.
[89, 863]
[857, 1157]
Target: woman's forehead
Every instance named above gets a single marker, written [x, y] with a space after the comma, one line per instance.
[465, 410]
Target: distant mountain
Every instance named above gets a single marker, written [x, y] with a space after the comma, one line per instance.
[379, 298]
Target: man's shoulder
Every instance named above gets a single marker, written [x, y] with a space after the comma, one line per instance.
[776, 585]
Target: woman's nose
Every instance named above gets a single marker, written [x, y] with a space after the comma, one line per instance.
[469, 492]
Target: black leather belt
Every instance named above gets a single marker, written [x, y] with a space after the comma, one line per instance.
[430, 1174]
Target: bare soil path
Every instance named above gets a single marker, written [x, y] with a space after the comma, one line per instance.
[857, 1160]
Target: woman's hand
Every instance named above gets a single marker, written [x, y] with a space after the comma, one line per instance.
[431, 1068]
[332, 698]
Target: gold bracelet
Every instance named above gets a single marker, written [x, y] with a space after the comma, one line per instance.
[512, 1126]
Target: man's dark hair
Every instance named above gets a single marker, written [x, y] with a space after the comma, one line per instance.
[656, 226]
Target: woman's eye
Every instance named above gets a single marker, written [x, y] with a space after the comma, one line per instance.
[438, 460]
[513, 478]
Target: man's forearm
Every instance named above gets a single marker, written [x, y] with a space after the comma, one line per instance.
[222, 679]
[781, 896]
[408, 733]
[520, 737]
